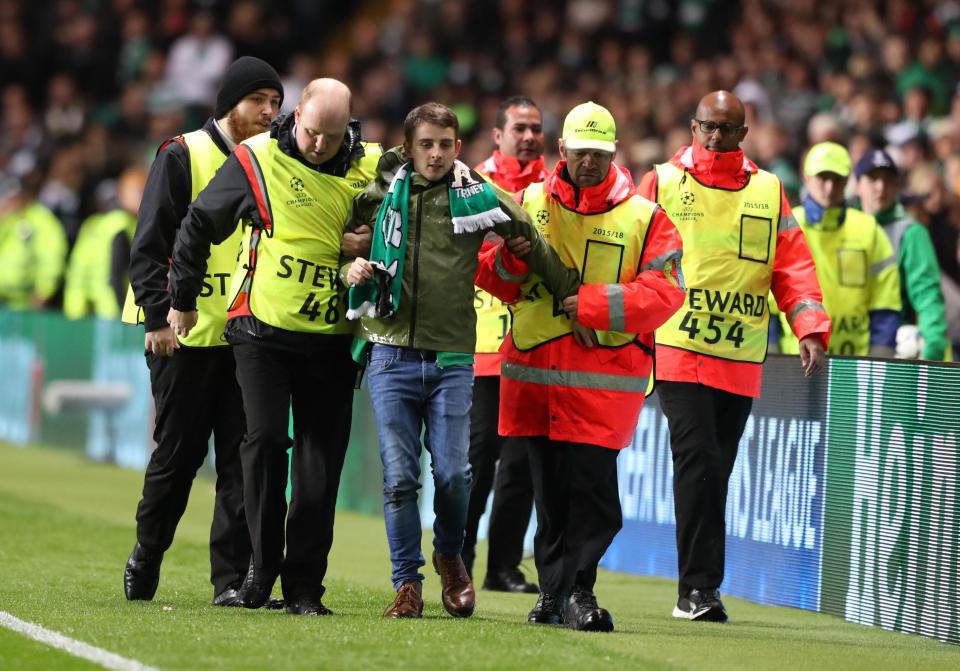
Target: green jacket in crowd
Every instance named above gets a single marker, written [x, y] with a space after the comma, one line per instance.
[436, 310]
[919, 278]
[87, 288]
[33, 252]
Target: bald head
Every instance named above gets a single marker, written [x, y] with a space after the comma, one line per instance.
[330, 89]
[719, 122]
[321, 119]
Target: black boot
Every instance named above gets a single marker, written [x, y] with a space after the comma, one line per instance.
[581, 612]
[547, 611]
[257, 587]
[141, 574]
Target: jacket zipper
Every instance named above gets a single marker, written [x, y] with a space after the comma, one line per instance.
[416, 269]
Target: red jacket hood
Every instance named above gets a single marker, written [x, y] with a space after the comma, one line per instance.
[727, 170]
[616, 187]
[507, 173]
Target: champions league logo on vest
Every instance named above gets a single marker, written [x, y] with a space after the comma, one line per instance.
[300, 199]
[687, 213]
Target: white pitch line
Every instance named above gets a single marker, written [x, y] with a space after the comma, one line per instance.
[104, 658]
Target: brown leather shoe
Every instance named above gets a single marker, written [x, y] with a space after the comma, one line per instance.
[458, 596]
[407, 603]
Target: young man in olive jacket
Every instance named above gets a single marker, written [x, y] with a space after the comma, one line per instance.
[414, 298]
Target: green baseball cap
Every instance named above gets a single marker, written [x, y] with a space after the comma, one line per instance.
[590, 126]
[827, 157]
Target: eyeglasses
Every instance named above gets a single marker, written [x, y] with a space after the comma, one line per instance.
[710, 127]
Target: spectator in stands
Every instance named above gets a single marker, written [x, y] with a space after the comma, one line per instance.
[878, 186]
[197, 61]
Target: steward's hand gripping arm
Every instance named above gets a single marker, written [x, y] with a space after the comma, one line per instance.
[542, 260]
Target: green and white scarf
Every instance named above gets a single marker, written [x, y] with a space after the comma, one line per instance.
[474, 206]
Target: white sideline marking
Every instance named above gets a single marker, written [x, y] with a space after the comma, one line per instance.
[104, 658]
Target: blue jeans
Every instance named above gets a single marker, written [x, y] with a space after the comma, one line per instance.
[409, 391]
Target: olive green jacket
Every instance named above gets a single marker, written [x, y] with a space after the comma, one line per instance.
[436, 310]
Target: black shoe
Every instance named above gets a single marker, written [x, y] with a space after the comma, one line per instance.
[228, 598]
[581, 612]
[274, 604]
[307, 605]
[547, 610]
[141, 574]
[509, 581]
[257, 586]
[703, 605]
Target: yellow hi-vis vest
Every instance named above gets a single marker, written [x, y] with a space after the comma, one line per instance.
[729, 243]
[205, 159]
[857, 270]
[87, 289]
[493, 317]
[287, 273]
[606, 248]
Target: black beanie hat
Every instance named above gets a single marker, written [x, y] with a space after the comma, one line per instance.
[244, 76]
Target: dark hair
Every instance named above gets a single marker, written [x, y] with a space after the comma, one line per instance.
[435, 113]
[512, 101]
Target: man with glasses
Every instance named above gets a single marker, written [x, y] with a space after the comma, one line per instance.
[740, 241]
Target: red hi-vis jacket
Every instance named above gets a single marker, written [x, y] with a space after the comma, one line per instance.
[794, 282]
[507, 173]
[558, 388]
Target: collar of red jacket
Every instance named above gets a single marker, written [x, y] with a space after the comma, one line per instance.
[613, 190]
[510, 175]
[726, 170]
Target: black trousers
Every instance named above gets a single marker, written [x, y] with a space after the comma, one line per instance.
[504, 466]
[319, 385]
[196, 393]
[705, 428]
[578, 510]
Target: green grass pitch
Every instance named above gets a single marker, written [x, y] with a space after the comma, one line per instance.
[67, 525]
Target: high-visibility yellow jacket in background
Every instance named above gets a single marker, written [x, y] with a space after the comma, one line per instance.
[87, 289]
[857, 270]
[33, 254]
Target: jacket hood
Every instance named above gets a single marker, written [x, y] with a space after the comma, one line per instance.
[616, 187]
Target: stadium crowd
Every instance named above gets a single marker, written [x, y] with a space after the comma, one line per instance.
[91, 88]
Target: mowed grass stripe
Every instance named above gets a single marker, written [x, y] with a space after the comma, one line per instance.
[67, 526]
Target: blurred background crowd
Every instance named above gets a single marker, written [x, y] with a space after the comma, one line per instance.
[90, 88]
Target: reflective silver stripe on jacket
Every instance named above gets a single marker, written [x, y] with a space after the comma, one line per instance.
[803, 306]
[880, 266]
[786, 223]
[618, 321]
[572, 378]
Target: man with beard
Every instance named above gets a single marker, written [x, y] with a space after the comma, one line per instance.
[193, 378]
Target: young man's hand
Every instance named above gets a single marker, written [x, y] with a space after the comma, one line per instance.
[360, 272]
